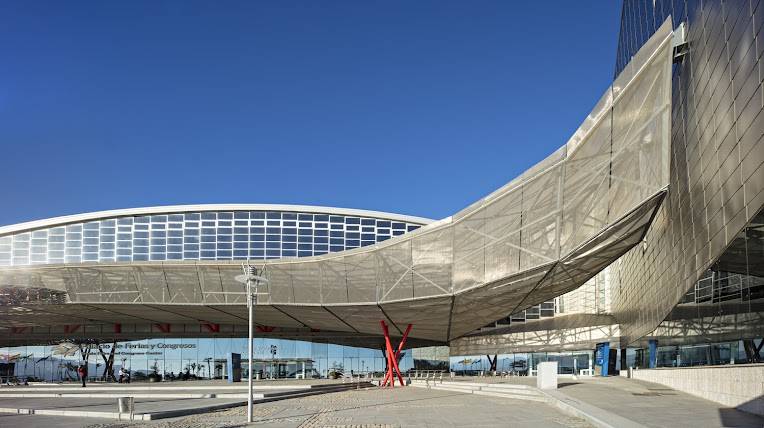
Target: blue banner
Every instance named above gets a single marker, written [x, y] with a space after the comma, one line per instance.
[602, 358]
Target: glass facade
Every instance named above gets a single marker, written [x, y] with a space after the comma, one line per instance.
[207, 235]
[522, 364]
[200, 235]
[720, 320]
[203, 358]
[703, 354]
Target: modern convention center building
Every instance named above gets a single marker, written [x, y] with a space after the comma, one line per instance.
[639, 243]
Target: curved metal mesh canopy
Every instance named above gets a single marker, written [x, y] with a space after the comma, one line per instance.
[541, 235]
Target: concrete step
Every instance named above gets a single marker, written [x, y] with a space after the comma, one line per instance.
[473, 385]
[458, 387]
[171, 394]
[179, 386]
[492, 387]
[516, 391]
[258, 398]
[465, 384]
[509, 386]
[117, 395]
[448, 388]
[512, 396]
[488, 390]
[511, 391]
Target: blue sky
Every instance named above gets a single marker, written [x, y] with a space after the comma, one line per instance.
[411, 107]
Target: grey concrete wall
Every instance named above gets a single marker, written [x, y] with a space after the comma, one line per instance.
[740, 386]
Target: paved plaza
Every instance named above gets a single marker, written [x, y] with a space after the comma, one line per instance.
[372, 407]
[621, 401]
[615, 401]
[655, 405]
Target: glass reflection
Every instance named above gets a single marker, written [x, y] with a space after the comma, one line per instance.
[520, 364]
[191, 358]
[720, 320]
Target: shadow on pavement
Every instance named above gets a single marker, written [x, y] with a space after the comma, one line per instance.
[564, 384]
[738, 417]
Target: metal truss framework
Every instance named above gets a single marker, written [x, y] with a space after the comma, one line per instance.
[541, 235]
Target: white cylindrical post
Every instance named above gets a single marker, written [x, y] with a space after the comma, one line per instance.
[250, 356]
[250, 275]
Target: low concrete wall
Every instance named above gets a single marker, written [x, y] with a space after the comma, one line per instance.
[740, 385]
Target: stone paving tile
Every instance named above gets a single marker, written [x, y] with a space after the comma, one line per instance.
[378, 408]
[415, 408]
[650, 404]
[36, 421]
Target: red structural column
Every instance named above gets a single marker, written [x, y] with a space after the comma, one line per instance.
[392, 357]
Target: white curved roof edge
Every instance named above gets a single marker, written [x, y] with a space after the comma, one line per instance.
[174, 209]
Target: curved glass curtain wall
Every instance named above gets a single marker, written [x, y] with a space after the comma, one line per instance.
[231, 235]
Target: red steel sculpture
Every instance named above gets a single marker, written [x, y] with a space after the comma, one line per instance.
[392, 357]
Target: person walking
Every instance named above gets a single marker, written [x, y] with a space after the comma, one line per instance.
[82, 370]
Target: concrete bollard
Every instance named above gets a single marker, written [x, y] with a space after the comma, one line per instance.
[546, 377]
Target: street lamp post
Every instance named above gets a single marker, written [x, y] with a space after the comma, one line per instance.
[252, 278]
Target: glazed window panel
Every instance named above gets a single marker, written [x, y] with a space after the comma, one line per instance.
[177, 237]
